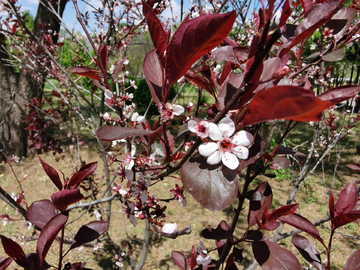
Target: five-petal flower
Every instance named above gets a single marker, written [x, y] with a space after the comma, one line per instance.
[227, 149]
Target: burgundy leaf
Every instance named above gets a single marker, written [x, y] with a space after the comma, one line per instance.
[4, 263]
[214, 187]
[261, 199]
[153, 73]
[192, 260]
[308, 250]
[118, 68]
[344, 219]
[339, 94]
[159, 36]
[87, 72]
[48, 235]
[64, 198]
[84, 172]
[103, 55]
[226, 53]
[334, 56]
[279, 163]
[90, 232]
[220, 243]
[285, 102]
[353, 262]
[14, 250]
[241, 53]
[331, 205]
[303, 224]
[282, 150]
[347, 199]
[179, 259]
[238, 254]
[52, 173]
[314, 18]
[354, 167]
[199, 80]
[194, 39]
[283, 211]
[218, 233]
[229, 88]
[271, 256]
[40, 212]
[344, 14]
[112, 133]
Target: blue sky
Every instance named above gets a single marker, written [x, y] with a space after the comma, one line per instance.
[69, 15]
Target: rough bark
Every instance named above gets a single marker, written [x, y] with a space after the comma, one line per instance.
[18, 88]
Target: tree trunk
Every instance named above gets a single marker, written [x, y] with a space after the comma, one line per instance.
[18, 88]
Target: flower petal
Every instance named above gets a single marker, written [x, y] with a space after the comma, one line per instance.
[230, 161]
[214, 132]
[243, 138]
[192, 124]
[226, 126]
[177, 109]
[208, 148]
[214, 158]
[240, 151]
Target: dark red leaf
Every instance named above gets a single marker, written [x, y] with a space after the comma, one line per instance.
[193, 262]
[282, 150]
[218, 233]
[339, 94]
[308, 250]
[179, 259]
[159, 36]
[353, 262]
[279, 163]
[64, 198]
[354, 167]
[226, 53]
[118, 68]
[103, 55]
[220, 243]
[271, 256]
[112, 133]
[306, 4]
[314, 18]
[84, 172]
[87, 72]
[229, 88]
[238, 255]
[14, 250]
[283, 211]
[90, 232]
[194, 39]
[4, 263]
[303, 224]
[347, 199]
[48, 234]
[331, 205]
[199, 80]
[214, 187]
[344, 14]
[40, 212]
[261, 199]
[153, 73]
[334, 56]
[52, 173]
[285, 102]
[344, 219]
